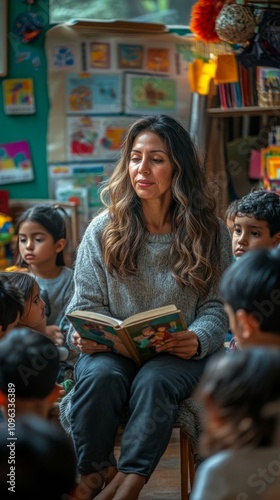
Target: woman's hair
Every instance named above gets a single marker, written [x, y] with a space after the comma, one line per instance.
[242, 387]
[52, 218]
[11, 301]
[195, 248]
[25, 283]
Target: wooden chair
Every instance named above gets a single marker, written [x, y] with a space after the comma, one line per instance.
[188, 421]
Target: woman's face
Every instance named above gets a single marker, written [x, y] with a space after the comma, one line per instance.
[34, 315]
[150, 168]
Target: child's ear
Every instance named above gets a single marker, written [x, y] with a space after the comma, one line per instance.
[247, 323]
[276, 239]
[213, 416]
[60, 245]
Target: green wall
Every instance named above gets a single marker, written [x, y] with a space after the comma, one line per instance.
[32, 128]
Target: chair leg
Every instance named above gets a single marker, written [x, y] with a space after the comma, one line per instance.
[187, 466]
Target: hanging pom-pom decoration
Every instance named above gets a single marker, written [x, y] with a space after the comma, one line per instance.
[203, 17]
[235, 24]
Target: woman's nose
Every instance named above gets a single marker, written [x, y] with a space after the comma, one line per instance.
[144, 165]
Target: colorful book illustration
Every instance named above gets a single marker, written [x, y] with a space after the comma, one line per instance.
[18, 96]
[93, 94]
[99, 55]
[137, 336]
[15, 163]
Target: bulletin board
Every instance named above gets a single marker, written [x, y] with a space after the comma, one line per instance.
[99, 83]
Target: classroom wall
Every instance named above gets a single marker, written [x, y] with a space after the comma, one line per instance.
[32, 128]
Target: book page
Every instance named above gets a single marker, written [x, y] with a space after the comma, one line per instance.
[92, 329]
[100, 318]
[146, 335]
[152, 313]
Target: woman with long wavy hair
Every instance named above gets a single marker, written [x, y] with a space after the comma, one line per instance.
[157, 242]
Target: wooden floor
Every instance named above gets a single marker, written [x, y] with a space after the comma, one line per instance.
[164, 483]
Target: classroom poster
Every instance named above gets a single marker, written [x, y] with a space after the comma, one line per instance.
[18, 94]
[95, 138]
[15, 163]
[147, 94]
[93, 94]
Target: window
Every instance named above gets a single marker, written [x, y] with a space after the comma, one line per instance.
[169, 12]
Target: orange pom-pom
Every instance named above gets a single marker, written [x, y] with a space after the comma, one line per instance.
[203, 17]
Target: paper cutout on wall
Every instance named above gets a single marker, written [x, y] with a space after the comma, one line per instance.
[15, 163]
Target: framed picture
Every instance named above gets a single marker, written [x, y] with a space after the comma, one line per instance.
[99, 55]
[130, 56]
[3, 38]
[94, 94]
[148, 94]
[158, 60]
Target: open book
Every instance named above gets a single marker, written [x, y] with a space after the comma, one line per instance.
[137, 336]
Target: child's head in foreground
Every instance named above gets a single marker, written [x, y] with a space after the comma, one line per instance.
[250, 288]
[29, 365]
[43, 459]
[257, 222]
[240, 394]
[34, 313]
[11, 304]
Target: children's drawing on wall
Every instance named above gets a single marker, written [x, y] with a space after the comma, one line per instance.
[99, 55]
[90, 138]
[158, 60]
[148, 94]
[64, 57]
[18, 94]
[94, 94]
[130, 56]
[15, 163]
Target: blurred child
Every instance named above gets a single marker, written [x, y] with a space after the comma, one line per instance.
[230, 215]
[39, 465]
[34, 312]
[11, 305]
[257, 222]
[250, 289]
[41, 234]
[241, 399]
[29, 366]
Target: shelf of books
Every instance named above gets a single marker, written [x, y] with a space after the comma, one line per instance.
[257, 92]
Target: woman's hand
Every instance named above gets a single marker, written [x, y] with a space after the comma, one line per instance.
[88, 346]
[183, 344]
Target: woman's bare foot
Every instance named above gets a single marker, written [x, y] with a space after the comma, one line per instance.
[123, 487]
[91, 484]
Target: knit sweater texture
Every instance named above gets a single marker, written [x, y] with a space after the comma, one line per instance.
[153, 286]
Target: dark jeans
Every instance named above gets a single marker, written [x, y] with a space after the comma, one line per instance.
[104, 383]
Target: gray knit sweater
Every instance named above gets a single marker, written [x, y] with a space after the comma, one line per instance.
[153, 286]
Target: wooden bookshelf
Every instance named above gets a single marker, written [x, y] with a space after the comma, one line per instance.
[244, 111]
